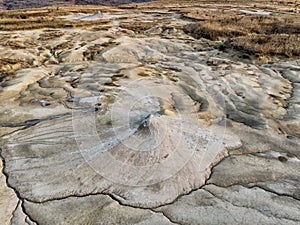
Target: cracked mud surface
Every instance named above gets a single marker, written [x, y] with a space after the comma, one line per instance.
[140, 123]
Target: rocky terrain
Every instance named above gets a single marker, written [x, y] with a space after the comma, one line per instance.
[132, 117]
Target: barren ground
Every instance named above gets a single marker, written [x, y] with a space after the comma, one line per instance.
[168, 112]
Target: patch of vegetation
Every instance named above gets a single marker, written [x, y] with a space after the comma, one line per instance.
[8, 67]
[279, 44]
[139, 27]
[274, 34]
[47, 18]
[45, 22]
[143, 74]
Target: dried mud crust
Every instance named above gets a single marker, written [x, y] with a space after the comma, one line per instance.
[145, 125]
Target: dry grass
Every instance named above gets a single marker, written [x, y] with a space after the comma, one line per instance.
[8, 67]
[282, 44]
[93, 51]
[47, 18]
[217, 20]
[275, 34]
[140, 27]
[46, 22]
[50, 34]
[233, 26]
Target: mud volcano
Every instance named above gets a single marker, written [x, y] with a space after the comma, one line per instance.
[130, 119]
